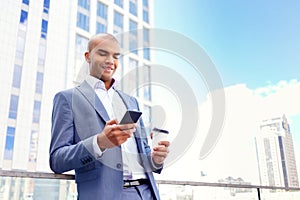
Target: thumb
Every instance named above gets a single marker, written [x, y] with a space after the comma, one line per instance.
[111, 122]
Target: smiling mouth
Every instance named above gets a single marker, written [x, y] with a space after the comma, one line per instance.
[108, 68]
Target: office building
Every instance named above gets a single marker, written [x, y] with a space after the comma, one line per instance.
[42, 46]
[275, 153]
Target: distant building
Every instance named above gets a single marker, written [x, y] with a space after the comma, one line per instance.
[275, 153]
[238, 181]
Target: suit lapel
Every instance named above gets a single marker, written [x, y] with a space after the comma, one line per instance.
[90, 95]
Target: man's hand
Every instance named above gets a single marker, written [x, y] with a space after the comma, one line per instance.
[115, 134]
[160, 152]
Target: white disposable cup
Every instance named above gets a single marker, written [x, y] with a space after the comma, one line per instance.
[159, 135]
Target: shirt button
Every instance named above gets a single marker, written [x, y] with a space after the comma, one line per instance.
[119, 165]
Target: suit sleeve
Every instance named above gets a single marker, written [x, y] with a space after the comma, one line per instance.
[65, 153]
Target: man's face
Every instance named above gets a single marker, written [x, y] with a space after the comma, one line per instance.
[103, 58]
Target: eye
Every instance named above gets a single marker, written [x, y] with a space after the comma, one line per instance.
[116, 56]
[101, 53]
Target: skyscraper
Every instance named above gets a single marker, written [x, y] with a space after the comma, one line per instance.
[42, 47]
[275, 152]
[42, 52]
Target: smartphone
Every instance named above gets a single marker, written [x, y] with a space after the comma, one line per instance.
[131, 116]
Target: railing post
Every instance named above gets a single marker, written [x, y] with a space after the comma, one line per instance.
[258, 193]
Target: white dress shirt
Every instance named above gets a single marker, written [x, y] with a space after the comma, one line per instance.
[115, 108]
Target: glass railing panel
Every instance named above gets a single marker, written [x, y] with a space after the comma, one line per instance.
[17, 188]
[181, 192]
[277, 194]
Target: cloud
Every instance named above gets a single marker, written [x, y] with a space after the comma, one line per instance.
[235, 154]
[283, 97]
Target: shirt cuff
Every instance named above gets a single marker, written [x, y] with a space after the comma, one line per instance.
[97, 151]
[156, 166]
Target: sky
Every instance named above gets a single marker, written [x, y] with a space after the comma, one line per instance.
[255, 47]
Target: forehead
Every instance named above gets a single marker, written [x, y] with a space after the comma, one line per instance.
[104, 43]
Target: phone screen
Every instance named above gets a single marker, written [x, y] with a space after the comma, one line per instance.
[131, 116]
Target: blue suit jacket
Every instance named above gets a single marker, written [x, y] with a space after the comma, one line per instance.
[77, 116]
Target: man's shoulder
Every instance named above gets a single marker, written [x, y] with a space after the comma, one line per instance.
[66, 94]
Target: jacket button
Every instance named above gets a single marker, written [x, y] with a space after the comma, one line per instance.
[119, 165]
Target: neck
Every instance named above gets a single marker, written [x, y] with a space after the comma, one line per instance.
[108, 83]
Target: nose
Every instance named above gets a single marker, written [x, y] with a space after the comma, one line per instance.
[110, 59]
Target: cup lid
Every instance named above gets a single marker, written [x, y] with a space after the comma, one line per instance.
[160, 130]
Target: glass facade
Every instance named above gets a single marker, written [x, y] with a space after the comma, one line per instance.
[133, 37]
[44, 29]
[9, 143]
[133, 7]
[101, 24]
[46, 6]
[118, 19]
[146, 11]
[13, 108]
[147, 82]
[101, 10]
[118, 22]
[17, 76]
[120, 3]
[83, 15]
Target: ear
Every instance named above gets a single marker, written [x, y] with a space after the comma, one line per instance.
[87, 57]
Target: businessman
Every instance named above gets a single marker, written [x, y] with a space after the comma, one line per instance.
[112, 161]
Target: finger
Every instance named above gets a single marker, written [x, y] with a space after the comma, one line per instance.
[127, 126]
[159, 155]
[161, 148]
[111, 122]
[165, 143]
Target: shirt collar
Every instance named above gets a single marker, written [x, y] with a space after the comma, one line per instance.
[96, 83]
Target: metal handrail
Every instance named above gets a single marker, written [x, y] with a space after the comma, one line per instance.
[45, 175]
[209, 184]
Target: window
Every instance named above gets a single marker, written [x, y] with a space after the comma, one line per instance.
[146, 36]
[84, 3]
[33, 146]
[42, 54]
[133, 75]
[146, 16]
[147, 87]
[133, 7]
[17, 76]
[145, 3]
[147, 115]
[80, 46]
[44, 29]
[133, 37]
[146, 40]
[39, 82]
[133, 27]
[146, 53]
[13, 108]
[20, 47]
[46, 6]
[119, 3]
[101, 28]
[36, 112]
[9, 143]
[83, 21]
[26, 2]
[145, 11]
[102, 10]
[118, 19]
[23, 17]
